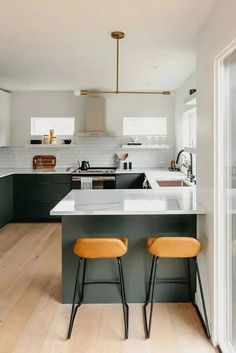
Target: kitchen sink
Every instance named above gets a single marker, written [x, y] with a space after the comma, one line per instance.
[172, 183]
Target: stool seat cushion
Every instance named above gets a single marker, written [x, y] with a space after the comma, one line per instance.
[176, 247]
[97, 248]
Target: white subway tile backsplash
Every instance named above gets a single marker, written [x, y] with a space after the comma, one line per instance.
[100, 151]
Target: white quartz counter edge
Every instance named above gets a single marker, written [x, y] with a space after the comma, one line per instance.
[54, 212]
[151, 172]
[7, 172]
[11, 171]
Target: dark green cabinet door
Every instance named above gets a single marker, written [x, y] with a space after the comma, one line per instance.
[35, 211]
[6, 200]
[42, 179]
[36, 195]
[41, 192]
[129, 181]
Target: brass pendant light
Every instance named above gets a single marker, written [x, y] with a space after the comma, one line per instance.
[117, 35]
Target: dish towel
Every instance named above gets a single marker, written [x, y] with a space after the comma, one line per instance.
[86, 183]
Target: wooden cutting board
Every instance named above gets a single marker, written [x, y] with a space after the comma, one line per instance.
[44, 162]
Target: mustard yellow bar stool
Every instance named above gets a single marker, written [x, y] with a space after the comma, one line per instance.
[99, 248]
[173, 247]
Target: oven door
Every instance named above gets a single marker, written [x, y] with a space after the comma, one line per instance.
[98, 182]
[104, 182]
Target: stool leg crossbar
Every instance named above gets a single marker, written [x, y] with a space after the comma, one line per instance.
[150, 299]
[81, 294]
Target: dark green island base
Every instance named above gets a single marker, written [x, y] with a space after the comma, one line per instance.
[136, 262]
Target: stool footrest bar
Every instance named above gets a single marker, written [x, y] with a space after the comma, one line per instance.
[101, 282]
[170, 281]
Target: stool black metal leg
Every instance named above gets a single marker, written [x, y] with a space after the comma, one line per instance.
[150, 297]
[123, 296]
[150, 281]
[73, 310]
[189, 279]
[204, 323]
[83, 280]
[127, 307]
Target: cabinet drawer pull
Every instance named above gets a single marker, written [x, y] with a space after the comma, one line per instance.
[42, 183]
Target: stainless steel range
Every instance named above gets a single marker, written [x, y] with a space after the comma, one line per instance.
[94, 178]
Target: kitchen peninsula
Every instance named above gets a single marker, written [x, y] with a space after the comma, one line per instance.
[135, 214]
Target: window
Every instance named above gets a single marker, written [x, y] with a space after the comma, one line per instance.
[189, 128]
[151, 126]
[61, 126]
[190, 135]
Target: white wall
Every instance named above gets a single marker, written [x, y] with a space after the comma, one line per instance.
[120, 106]
[180, 95]
[218, 32]
[28, 104]
[24, 105]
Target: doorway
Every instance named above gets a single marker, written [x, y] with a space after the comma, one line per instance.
[225, 196]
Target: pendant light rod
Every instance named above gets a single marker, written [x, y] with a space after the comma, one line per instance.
[85, 92]
[117, 35]
[117, 64]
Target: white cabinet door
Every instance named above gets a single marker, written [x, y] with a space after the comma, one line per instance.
[4, 118]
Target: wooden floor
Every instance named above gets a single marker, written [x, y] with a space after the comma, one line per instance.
[32, 320]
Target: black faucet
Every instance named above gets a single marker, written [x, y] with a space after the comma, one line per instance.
[191, 161]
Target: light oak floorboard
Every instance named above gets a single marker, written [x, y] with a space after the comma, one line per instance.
[20, 263]
[32, 319]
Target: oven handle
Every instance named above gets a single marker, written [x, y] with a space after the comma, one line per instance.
[104, 178]
[95, 178]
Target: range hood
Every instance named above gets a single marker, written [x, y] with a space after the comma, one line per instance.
[95, 117]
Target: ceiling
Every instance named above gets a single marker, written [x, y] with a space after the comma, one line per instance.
[66, 44]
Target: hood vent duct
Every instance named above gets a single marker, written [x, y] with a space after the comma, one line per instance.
[95, 117]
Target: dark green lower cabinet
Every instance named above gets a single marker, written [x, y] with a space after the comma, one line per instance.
[30, 197]
[130, 181]
[6, 200]
[34, 211]
[36, 195]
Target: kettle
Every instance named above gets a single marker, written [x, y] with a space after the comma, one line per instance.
[84, 165]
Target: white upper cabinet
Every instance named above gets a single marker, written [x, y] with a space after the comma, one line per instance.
[4, 118]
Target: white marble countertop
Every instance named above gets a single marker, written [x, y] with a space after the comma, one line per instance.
[168, 200]
[158, 200]
[11, 171]
[152, 174]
